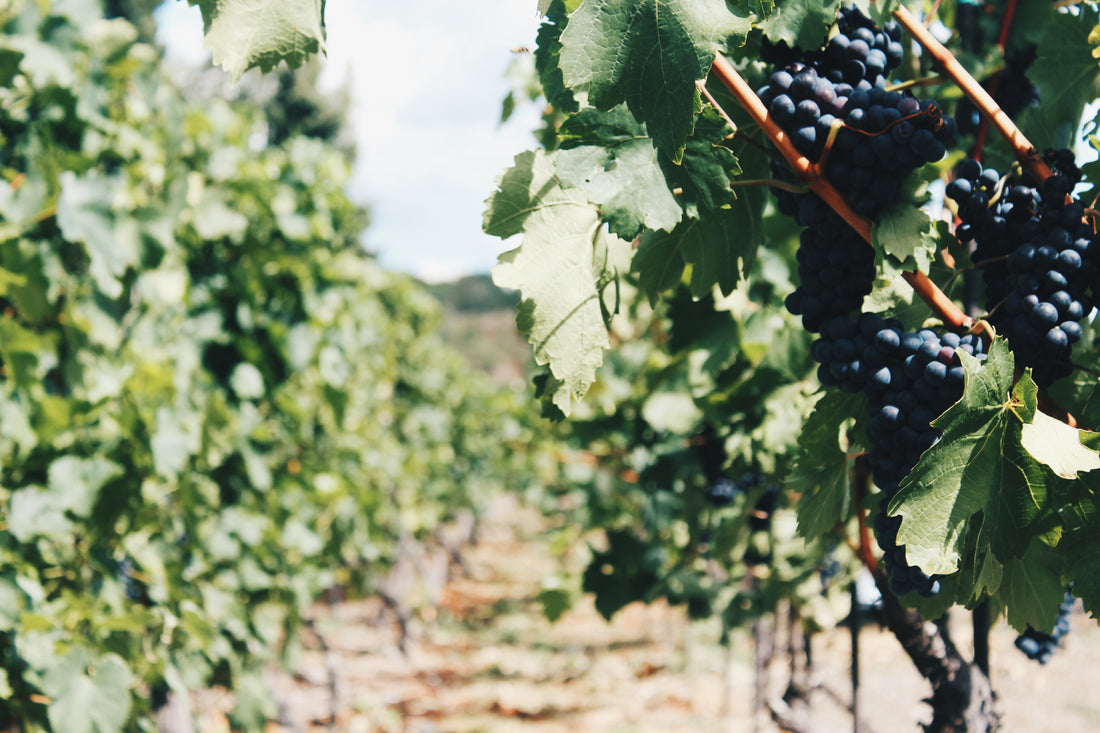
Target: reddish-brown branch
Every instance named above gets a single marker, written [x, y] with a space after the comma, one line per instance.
[1006, 24]
[1002, 39]
[802, 166]
[861, 485]
[946, 63]
[931, 294]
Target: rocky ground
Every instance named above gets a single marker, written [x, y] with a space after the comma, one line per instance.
[485, 660]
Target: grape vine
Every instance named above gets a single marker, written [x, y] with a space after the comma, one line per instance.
[942, 390]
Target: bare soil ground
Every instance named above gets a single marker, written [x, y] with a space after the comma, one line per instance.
[487, 661]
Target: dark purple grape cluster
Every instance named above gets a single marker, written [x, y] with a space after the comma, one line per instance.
[1039, 261]
[836, 268]
[721, 492]
[860, 49]
[886, 135]
[1039, 645]
[909, 378]
[834, 105]
[840, 91]
[806, 105]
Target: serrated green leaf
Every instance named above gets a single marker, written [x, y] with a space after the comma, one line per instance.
[659, 264]
[1082, 388]
[1067, 76]
[1057, 445]
[720, 247]
[1031, 589]
[1079, 550]
[707, 168]
[610, 156]
[760, 8]
[243, 34]
[802, 23]
[88, 694]
[557, 270]
[821, 471]
[649, 54]
[902, 230]
[85, 215]
[977, 466]
[548, 58]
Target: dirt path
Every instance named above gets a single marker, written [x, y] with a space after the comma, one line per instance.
[488, 662]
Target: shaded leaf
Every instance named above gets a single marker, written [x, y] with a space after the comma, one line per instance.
[721, 249]
[978, 466]
[88, 695]
[821, 471]
[649, 54]
[85, 215]
[558, 270]
[802, 23]
[1029, 584]
[610, 156]
[1067, 76]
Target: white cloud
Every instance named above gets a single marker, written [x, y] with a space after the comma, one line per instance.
[427, 80]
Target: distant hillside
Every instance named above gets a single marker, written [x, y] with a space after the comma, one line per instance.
[474, 294]
[480, 322]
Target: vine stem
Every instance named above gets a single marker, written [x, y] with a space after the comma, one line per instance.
[946, 63]
[861, 485]
[811, 175]
[995, 81]
[1006, 24]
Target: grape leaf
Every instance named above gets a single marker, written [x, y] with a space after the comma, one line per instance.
[1081, 389]
[1031, 589]
[557, 269]
[721, 249]
[243, 34]
[760, 8]
[548, 58]
[977, 466]
[905, 232]
[618, 168]
[649, 54]
[88, 695]
[75, 482]
[625, 573]
[1067, 76]
[85, 214]
[1079, 549]
[659, 264]
[1057, 445]
[707, 168]
[802, 23]
[821, 470]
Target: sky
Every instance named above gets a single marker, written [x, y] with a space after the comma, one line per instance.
[427, 78]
